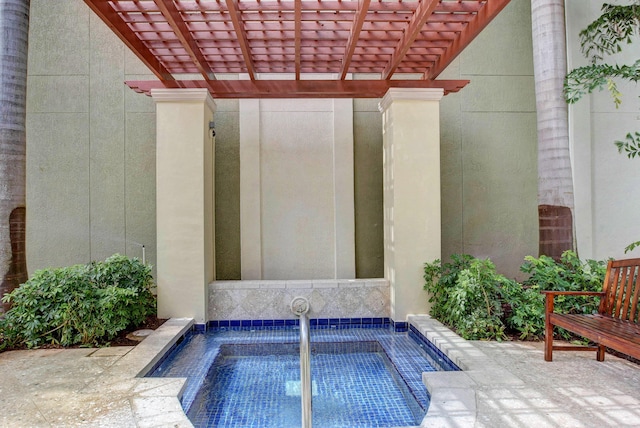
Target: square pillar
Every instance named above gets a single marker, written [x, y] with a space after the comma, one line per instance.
[412, 226]
[184, 201]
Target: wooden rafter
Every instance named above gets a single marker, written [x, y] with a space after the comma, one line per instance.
[483, 17]
[241, 35]
[174, 19]
[423, 12]
[358, 22]
[297, 35]
[122, 30]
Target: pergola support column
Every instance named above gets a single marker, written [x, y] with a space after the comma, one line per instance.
[412, 231]
[184, 201]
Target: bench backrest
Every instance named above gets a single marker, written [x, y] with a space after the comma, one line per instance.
[622, 290]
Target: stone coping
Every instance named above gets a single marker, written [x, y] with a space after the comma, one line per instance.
[155, 402]
[298, 283]
[453, 394]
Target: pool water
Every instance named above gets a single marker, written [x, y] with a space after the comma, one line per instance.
[362, 377]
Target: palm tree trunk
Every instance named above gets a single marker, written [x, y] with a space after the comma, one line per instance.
[555, 178]
[14, 33]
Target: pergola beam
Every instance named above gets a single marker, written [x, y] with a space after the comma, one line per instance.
[241, 35]
[358, 22]
[298, 36]
[421, 15]
[129, 38]
[174, 19]
[483, 17]
[302, 88]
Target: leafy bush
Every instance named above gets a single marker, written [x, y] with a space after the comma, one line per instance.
[469, 295]
[466, 296]
[81, 304]
[568, 274]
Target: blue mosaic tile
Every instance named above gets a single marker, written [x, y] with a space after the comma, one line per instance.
[194, 356]
[200, 327]
[400, 326]
[442, 360]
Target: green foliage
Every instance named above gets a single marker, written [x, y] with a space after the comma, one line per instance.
[631, 145]
[568, 274]
[469, 295]
[632, 246]
[584, 80]
[605, 35]
[81, 304]
[465, 296]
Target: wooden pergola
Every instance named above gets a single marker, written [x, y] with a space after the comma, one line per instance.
[297, 48]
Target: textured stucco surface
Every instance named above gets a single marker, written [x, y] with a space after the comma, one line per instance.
[90, 142]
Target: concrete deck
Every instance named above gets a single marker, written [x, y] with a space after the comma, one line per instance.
[503, 385]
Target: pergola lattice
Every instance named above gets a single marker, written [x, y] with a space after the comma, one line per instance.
[297, 48]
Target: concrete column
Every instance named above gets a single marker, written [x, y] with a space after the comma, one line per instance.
[184, 201]
[411, 139]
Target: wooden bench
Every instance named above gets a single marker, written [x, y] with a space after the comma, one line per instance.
[617, 323]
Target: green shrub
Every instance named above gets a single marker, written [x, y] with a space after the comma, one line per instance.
[466, 296]
[82, 304]
[469, 295]
[568, 274]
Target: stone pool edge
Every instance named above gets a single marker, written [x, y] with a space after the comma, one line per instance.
[156, 401]
[453, 394]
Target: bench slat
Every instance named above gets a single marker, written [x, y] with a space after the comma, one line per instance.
[617, 325]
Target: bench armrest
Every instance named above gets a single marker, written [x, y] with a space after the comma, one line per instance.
[549, 297]
[572, 293]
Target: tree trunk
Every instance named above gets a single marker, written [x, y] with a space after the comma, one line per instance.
[14, 33]
[555, 178]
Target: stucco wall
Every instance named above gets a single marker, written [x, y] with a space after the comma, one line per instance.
[606, 182]
[90, 142]
[488, 146]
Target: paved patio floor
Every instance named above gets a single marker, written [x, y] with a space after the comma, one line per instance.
[504, 385]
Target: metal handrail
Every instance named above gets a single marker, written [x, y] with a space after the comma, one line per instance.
[300, 307]
[305, 371]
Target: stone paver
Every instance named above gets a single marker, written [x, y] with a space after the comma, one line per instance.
[503, 385]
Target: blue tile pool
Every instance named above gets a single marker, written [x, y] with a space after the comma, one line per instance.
[249, 377]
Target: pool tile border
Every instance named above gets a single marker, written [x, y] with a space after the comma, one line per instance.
[366, 322]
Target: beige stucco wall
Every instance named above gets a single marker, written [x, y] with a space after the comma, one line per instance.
[606, 182]
[90, 142]
[488, 146]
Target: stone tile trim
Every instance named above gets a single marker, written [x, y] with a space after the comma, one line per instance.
[453, 394]
[270, 299]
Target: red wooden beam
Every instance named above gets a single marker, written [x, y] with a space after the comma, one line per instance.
[301, 88]
[358, 21]
[113, 20]
[297, 34]
[241, 35]
[174, 19]
[489, 11]
[423, 12]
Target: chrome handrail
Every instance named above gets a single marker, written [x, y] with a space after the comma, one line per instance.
[305, 371]
[300, 307]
